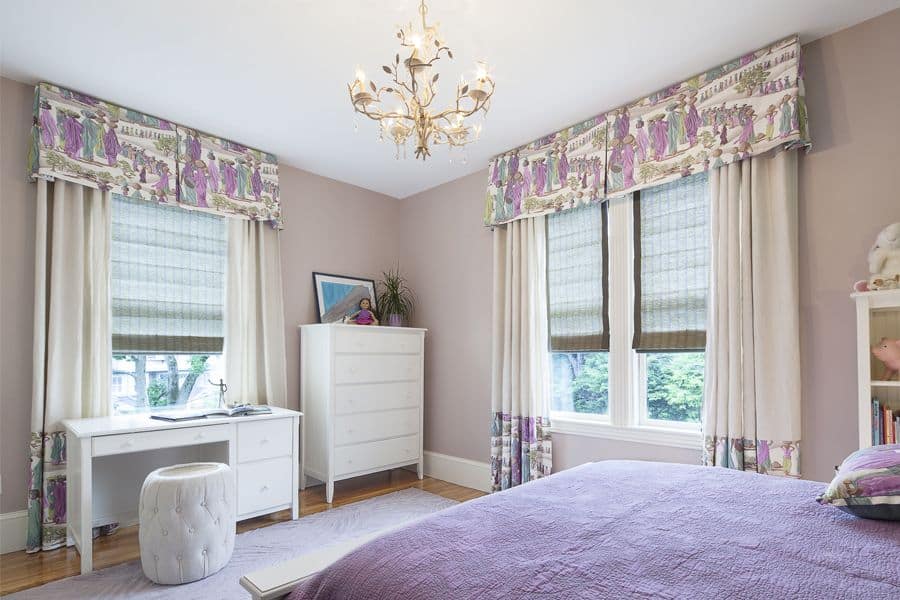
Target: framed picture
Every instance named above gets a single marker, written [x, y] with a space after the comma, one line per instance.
[339, 295]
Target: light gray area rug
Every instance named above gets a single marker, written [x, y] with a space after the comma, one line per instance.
[253, 550]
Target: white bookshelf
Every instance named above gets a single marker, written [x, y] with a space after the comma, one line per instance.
[877, 316]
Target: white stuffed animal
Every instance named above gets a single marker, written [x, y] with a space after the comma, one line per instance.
[884, 259]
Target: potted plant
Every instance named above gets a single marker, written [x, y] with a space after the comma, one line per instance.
[395, 299]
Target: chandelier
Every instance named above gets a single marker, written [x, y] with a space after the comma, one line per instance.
[413, 87]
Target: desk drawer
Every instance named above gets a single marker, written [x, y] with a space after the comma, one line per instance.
[362, 457]
[150, 440]
[264, 484]
[264, 439]
[376, 396]
[373, 368]
[376, 341]
[365, 427]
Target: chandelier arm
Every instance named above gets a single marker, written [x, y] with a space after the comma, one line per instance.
[479, 105]
[381, 115]
[403, 83]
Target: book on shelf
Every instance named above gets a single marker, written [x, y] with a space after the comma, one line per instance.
[885, 424]
[239, 410]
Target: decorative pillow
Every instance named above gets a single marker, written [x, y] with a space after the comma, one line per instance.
[867, 484]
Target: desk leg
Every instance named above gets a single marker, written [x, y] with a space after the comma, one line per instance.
[85, 514]
[297, 470]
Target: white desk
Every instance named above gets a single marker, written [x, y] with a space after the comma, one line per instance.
[263, 450]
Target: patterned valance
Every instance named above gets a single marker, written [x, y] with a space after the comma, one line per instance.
[217, 175]
[557, 172]
[92, 142]
[746, 107]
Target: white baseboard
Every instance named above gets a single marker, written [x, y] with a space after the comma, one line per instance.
[12, 531]
[13, 527]
[461, 471]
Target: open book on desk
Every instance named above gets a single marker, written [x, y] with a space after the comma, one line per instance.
[232, 411]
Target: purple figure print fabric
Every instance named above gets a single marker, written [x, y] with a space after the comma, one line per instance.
[96, 143]
[538, 178]
[727, 113]
[102, 145]
[748, 106]
[227, 178]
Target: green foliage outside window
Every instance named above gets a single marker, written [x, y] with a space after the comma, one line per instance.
[674, 384]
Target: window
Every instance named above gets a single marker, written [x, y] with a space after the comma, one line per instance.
[167, 288]
[646, 264]
[671, 264]
[580, 383]
[577, 289]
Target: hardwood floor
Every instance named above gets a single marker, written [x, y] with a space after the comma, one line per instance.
[19, 571]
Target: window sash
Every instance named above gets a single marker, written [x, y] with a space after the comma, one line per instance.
[671, 266]
[578, 280]
[167, 279]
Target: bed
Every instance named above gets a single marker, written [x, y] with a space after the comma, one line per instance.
[627, 529]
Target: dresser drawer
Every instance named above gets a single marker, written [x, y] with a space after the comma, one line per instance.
[264, 439]
[365, 427]
[376, 396]
[363, 368]
[264, 484]
[150, 440]
[376, 341]
[371, 455]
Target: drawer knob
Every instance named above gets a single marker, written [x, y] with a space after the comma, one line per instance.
[127, 443]
[264, 488]
[264, 441]
[200, 436]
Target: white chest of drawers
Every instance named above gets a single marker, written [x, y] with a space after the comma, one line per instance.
[361, 394]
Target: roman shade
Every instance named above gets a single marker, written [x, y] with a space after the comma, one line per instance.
[167, 279]
[745, 107]
[99, 144]
[577, 280]
[671, 265]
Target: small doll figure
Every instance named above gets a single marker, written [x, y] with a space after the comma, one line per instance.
[364, 316]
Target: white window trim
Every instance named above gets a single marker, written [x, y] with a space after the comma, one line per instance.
[627, 419]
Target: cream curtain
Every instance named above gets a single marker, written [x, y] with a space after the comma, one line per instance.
[751, 416]
[72, 350]
[255, 365]
[520, 442]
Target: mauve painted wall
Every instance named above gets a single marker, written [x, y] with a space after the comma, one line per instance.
[16, 291]
[446, 253]
[329, 226]
[848, 192]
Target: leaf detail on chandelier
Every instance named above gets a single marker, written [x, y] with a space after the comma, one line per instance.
[414, 88]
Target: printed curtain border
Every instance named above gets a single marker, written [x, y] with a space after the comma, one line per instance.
[92, 142]
[746, 107]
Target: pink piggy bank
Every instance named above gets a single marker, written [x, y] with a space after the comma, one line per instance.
[888, 352]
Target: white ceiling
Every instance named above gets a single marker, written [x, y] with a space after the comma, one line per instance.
[272, 74]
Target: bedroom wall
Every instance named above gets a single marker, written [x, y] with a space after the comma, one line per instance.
[848, 192]
[849, 186]
[16, 292]
[329, 226]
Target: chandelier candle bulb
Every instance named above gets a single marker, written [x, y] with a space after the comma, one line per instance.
[414, 83]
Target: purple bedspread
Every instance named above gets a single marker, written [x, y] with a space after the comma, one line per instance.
[627, 529]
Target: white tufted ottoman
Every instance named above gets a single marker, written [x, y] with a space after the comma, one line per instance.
[187, 522]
